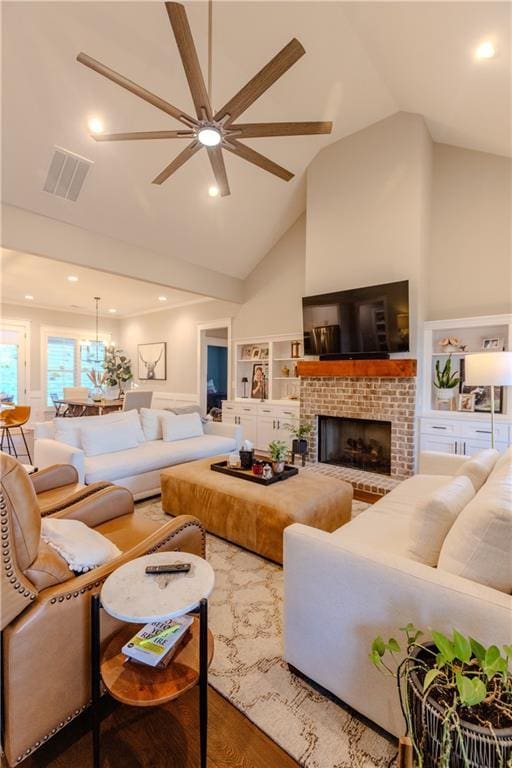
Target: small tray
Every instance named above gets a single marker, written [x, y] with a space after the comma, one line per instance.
[246, 474]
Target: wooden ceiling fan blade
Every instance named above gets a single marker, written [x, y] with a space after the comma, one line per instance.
[249, 154]
[178, 161]
[139, 135]
[185, 42]
[257, 130]
[219, 170]
[137, 90]
[266, 77]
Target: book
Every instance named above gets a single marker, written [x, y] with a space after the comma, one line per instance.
[154, 643]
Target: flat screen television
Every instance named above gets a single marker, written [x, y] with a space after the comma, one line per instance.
[370, 320]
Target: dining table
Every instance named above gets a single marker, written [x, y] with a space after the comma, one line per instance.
[86, 406]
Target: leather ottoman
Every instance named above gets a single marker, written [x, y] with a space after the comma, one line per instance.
[252, 515]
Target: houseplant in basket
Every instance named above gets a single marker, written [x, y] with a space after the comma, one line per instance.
[456, 698]
[300, 433]
[278, 450]
[445, 380]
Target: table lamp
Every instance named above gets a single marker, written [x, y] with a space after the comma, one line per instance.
[490, 369]
[245, 381]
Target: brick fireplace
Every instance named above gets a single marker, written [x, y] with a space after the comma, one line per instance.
[376, 398]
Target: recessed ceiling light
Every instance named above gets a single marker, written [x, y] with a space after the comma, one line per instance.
[95, 125]
[113, 311]
[209, 136]
[29, 297]
[162, 298]
[73, 278]
[213, 191]
[485, 50]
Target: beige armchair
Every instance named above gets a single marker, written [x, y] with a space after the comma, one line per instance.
[45, 613]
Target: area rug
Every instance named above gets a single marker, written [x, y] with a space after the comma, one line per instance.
[245, 614]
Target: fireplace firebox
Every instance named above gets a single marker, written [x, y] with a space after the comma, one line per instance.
[363, 444]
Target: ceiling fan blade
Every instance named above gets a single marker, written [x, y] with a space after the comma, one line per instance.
[142, 135]
[257, 130]
[178, 161]
[137, 90]
[249, 154]
[185, 42]
[266, 77]
[219, 169]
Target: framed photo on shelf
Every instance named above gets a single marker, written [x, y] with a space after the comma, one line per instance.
[246, 352]
[264, 353]
[255, 353]
[152, 361]
[466, 402]
[494, 344]
[259, 381]
[482, 394]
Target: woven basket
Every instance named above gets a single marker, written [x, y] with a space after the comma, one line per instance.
[482, 749]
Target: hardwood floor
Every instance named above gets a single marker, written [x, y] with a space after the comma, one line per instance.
[164, 737]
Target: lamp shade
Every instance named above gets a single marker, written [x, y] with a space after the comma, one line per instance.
[489, 368]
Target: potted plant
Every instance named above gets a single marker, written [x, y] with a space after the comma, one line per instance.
[445, 380]
[118, 368]
[300, 434]
[278, 450]
[456, 698]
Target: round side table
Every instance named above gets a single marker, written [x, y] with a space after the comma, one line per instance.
[129, 594]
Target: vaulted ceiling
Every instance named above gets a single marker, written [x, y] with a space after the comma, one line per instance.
[363, 62]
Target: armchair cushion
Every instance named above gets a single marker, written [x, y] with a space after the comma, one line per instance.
[82, 547]
[49, 568]
[51, 478]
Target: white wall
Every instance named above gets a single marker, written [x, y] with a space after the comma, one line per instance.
[368, 208]
[274, 289]
[470, 266]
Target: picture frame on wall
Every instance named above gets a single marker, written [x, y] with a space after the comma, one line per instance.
[152, 361]
[482, 393]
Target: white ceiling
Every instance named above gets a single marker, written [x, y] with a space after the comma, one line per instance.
[46, 280]
[363, 62]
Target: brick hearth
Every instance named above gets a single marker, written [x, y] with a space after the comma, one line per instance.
[382, 399]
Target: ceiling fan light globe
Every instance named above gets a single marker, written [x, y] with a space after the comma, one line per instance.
[209, 137]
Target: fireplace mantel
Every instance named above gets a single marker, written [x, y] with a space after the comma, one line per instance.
[394, 368]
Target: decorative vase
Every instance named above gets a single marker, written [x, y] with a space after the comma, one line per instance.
[278, 467]
[246, 458]
[97, 395]
[299, 446]
[427, 716]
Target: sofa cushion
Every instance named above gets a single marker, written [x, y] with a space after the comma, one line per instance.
[151, 419]
[504, 460]
[479, 544]
[154, 454]
[99, 439]
[433, 516]
[479, 467]
[68, 430]
[181, 427]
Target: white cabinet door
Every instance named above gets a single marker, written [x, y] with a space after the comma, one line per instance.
[249, 424]
[267, 431]
[290, 418]
[441, 443]
[469, 447]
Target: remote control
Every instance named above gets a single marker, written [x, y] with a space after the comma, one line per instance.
[169, 568]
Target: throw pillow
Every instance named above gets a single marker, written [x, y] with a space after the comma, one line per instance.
[82, 547]
[179, 410]
[99, 439]
[433, 517]
[68, 430]
[151, 419]
[181, 427]
[479, 467]
[479, 544]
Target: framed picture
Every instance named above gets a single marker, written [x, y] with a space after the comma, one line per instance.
[264, 353]
[259, 381]
[255, 353]
[246, 352]
[466, 402]
[482, 394]
[494, 343]
[152, 361]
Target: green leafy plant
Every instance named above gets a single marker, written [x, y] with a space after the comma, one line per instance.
[471, 683]
[278, 450]
[445, 378]
[299, 431]
[118, 368]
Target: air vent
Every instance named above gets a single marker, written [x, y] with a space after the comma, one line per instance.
[67, 174]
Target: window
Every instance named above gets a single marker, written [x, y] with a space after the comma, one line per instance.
[69, 358]
[13, 343]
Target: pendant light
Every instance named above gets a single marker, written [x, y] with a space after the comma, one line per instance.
[97, 299]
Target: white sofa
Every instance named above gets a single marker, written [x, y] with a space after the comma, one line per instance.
[344, 588]
[138, 468]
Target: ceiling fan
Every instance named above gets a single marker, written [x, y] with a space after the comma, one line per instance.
[213, 130]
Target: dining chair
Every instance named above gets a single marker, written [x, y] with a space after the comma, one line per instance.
[15, 419]
[137, 399]
[75, 393]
